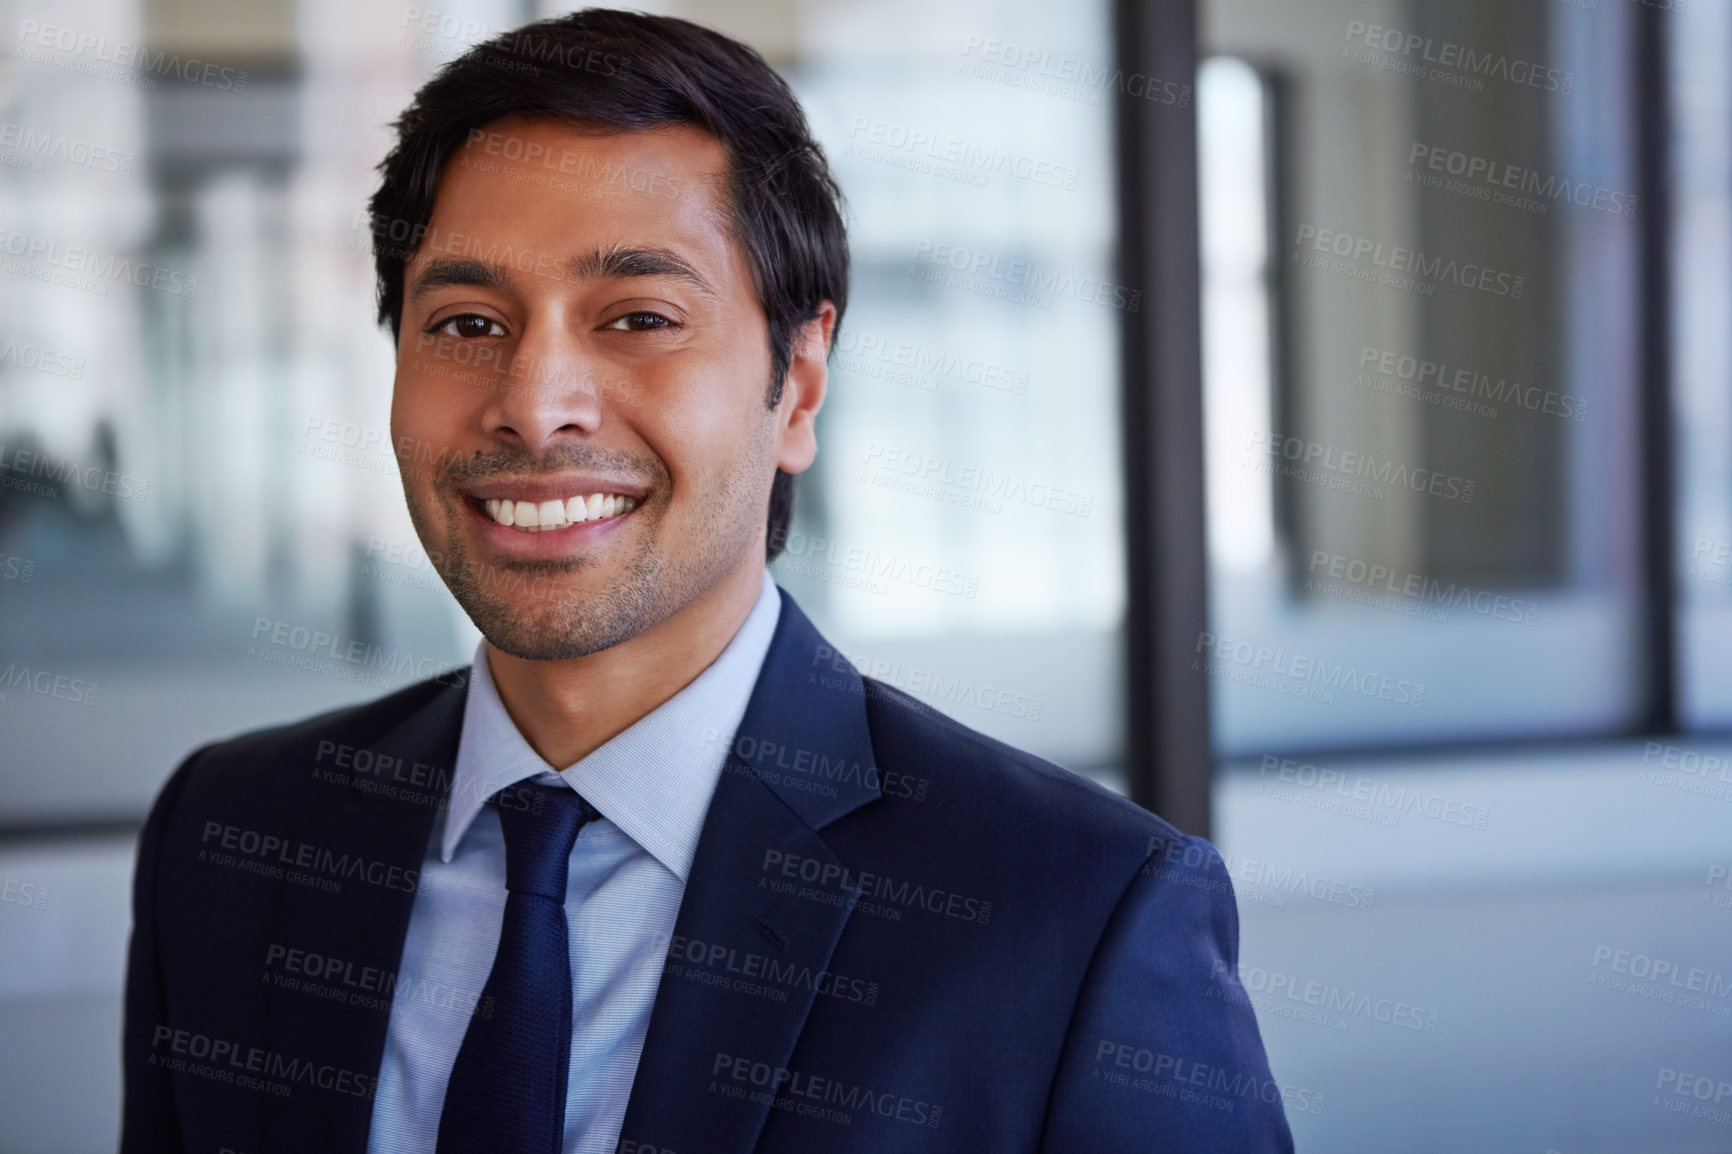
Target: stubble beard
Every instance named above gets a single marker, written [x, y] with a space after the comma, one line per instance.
[518, 604]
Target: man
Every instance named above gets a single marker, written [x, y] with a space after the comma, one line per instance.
[660, 872]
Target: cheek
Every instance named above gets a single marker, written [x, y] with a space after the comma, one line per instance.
[715, 445]
[407, 425]
[430, 410]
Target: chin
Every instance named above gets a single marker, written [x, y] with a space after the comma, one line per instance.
[559, 608]
[535, 621]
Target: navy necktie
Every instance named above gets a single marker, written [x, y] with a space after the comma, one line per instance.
[507, 1089]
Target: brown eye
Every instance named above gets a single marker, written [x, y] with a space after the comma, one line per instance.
[641, 322]
[470, 325]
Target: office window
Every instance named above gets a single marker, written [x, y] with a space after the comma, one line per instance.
[1420, 373]
[1455, 786]
[961, 536]
[1701, 39]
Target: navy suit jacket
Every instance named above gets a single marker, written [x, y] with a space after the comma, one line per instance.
[898, 935]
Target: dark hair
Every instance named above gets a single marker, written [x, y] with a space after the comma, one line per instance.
[626, 71]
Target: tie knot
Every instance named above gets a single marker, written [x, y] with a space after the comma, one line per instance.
[540, 824]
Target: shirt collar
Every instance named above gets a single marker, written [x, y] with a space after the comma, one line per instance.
[654, 780]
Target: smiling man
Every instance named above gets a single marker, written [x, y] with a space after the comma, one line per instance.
[660, 873]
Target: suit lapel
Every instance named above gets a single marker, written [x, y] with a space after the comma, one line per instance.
[327, 1038]
[765, 891]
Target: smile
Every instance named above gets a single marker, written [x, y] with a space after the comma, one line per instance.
[535, 516]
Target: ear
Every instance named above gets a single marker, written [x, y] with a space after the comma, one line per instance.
[803, 392]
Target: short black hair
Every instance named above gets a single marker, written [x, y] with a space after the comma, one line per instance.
[627, 71]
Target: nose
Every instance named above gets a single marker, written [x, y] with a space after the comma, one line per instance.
[551, 392]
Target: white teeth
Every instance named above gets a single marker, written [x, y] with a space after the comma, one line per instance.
[535, 516]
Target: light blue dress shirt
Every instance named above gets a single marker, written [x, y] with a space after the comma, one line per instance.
[652, 785]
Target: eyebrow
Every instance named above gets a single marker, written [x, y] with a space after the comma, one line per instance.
[443, 273]
[602, 264]
[621, 262]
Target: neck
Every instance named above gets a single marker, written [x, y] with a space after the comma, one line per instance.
[568, 709]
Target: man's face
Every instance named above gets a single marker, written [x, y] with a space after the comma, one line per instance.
[582, 349]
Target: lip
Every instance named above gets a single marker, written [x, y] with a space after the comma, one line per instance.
[547, 542]
[539, 489]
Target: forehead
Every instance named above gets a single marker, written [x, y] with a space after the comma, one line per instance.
[551, 191]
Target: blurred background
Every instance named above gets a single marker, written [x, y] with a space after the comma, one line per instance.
[1308, 417]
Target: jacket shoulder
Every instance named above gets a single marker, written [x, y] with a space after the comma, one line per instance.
[256, 761]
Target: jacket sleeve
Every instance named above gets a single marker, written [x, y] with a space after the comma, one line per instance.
[148, 1122]
[1163, 1052]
